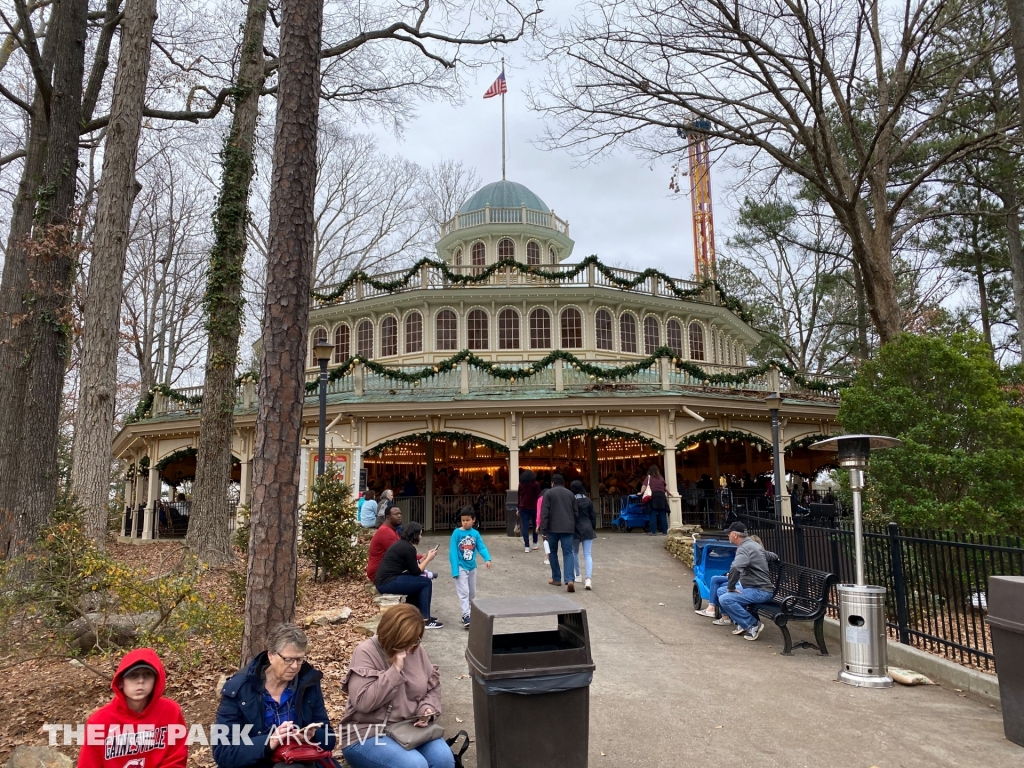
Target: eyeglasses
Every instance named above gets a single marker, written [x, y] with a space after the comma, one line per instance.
[412, 648]
[291, 662]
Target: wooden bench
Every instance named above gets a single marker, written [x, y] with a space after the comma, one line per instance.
[800, 594]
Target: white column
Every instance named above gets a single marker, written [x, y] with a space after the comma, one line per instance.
[513, 468]
[153, 499]
[129, 499]
[244, 490]
[559, 386]
[356, 469]
[464, 376]
[675, 504]
[787, 507]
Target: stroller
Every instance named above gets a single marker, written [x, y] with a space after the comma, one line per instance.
[632, 514]
[711, 557]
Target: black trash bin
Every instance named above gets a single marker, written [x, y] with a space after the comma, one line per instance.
[531, 690]
[1006, 619]
[511, 512]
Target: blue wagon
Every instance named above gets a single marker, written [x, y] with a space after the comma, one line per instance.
[632, 514]
[711, 557]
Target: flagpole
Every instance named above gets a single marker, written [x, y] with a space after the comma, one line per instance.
[503, 123]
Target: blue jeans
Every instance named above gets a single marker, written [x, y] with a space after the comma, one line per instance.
[718, 583]
[385, 752]
[586, 544]
[734, 604]
[658, 521]
[565, 539]
[417, 588]
[528, 522]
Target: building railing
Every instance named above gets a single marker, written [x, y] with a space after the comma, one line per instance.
[430, 277]
[937, 581]
[521, 215]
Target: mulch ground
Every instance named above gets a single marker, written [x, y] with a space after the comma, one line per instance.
[62, 690]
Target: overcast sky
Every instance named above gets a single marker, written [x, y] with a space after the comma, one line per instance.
[618, 207]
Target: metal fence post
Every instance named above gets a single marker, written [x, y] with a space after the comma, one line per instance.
[798, 534]
[899, 583]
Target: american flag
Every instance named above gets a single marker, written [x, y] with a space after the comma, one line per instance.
[498, 87]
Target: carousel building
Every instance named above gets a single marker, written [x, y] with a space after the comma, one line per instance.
[450, 378]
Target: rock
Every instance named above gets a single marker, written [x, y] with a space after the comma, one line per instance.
[108, 629]
[370, 589]
[386, 602]
[329, 616]
[369, 627]
[38, 757]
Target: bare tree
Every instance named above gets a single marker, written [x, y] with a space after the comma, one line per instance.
[446, 186]
[90, 479]
[839, 94]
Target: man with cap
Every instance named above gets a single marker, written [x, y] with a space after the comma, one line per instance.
[750, 565]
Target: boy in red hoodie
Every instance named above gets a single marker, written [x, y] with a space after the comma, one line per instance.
[139, 728]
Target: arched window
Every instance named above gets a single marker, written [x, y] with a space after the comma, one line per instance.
[572, 329]
[627, 333]
[319, 337]
[652, 335]
[540, 329]
[388, 336]
[364, 339]
[478, 256]
[476, 329]
[447, 336]
[457, 258]
[342, 343]
[551, 253]
[674, 331]
[506, 249]
[532, 253]
[508, 329]
[696, 341]
[413, 332]
[603, 329]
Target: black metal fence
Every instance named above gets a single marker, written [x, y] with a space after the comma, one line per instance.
[937, 581]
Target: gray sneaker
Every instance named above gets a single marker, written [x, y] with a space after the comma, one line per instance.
[725, 621]
[739, 631]
[754, 632]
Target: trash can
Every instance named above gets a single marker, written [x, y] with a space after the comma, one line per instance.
[1006, 620]
[531, 690]
[511, 512]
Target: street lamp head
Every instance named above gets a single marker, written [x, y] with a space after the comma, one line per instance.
[854, 450]
[323, 351]
[774, 401]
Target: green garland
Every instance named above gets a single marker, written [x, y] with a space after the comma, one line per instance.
[389, 286]
[454, 436]
[565, 434]
[720, 434]
[144, 409]
[805, 441]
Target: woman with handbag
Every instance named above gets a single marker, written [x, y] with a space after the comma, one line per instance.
[279, 696]
[394, 698]
[655, 498]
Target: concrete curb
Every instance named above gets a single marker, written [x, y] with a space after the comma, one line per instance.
[940, 670]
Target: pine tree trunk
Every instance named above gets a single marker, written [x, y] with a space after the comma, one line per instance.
[208, 537]
[51, 259]
[90, 476]
[270, 586]
[1016, 16]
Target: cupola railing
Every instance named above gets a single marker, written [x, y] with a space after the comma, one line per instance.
[521, 215]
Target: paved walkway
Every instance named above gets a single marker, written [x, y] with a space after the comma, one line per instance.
[671, 690]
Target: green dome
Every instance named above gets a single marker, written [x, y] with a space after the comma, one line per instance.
[503, 194]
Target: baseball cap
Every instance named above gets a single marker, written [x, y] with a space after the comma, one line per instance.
[140, 665]
[737, 527]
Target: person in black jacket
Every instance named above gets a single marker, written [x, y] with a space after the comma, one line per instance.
[586, 523]
[401, 573]
[278, 694]
[558, 513]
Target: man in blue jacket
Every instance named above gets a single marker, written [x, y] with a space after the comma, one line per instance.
[278, 694]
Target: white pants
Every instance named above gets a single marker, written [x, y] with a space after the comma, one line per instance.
[465, 588]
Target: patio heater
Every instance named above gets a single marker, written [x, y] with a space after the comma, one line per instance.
[774, 402]
[861, 606]
[323, 354]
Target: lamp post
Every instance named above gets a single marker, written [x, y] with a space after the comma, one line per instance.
[323, 354]
[774, 402]
[861, 606]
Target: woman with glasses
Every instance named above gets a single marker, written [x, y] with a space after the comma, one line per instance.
[392, 678]
[278, 694]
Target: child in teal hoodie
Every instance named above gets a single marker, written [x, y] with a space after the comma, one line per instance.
[466, 543]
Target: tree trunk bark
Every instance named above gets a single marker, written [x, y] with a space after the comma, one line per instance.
[208, 537]
[52, 254]
[1015, 10]
[94, 421]
[272, 568]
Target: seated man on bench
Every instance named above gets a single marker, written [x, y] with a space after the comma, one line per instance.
[750, 565]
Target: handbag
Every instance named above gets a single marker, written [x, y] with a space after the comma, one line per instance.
[647, 490]
[304, 753]
[406, 733]
[465, 745]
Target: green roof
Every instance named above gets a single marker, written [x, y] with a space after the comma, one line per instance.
[503, 194]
